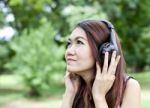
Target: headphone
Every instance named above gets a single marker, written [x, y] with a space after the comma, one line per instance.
[111, 45]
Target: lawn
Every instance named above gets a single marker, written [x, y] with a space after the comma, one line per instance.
[14, 98]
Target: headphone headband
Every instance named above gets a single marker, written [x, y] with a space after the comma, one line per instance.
[112, 44]
[109, 24]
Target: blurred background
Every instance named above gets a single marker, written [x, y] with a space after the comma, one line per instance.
[32, 46]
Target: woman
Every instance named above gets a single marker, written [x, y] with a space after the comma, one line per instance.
[94, 80]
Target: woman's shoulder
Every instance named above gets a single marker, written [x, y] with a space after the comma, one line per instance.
[133, 88]
[132, 94]
[132, 83]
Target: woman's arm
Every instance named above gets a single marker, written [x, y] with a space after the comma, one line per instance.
[72, 85]
[68, 99]
[132, 95]
[100, 102]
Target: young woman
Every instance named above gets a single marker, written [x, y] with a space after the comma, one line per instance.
[96, 73]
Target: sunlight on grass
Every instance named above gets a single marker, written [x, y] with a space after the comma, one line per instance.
[13, 82]
[55, 103]
[7, 97]
[145, 99]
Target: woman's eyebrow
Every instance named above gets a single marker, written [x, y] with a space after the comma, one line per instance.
[77, 37]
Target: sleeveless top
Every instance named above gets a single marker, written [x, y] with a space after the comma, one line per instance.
[129, 78]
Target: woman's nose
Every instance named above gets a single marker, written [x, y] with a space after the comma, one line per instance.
[71, 50]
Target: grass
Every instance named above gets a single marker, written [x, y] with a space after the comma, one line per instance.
[143, 79]
[145, 99]
[12, 81]
[7, 97]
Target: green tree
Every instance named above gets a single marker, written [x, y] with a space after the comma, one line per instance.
[6, 54]
[126, 15]
[38, 59]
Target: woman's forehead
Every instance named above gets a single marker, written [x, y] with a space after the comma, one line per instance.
[78, 33]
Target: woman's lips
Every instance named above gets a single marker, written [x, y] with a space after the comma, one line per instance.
[70, 60]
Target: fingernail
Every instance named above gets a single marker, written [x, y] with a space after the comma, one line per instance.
[106, 53]
[118, 57]
[96, 62]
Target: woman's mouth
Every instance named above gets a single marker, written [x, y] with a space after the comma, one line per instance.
[70, 60]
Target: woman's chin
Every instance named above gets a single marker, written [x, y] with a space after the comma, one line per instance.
[73, 69]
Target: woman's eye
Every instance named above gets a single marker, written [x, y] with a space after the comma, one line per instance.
[68, 43]
[79, 42]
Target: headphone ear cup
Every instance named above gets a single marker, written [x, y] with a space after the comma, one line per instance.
[106, 47]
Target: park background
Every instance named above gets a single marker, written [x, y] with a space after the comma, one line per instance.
[32, 45]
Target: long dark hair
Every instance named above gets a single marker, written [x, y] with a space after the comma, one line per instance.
[97, 34]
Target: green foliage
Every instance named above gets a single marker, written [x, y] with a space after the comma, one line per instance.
[2, 21]
[28, 13]
[75, 14]
[145, 41]
[38, 58]
[6, 54]
[131, 19]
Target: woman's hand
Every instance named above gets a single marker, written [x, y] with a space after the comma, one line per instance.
[104, 80]
[71, 83]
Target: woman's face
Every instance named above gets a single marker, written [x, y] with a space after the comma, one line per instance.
[78, 54]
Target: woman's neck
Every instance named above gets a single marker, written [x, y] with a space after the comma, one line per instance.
[87, 75]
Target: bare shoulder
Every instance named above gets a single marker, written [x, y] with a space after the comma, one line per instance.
[132, 84]
[133, 89]
[132, 94]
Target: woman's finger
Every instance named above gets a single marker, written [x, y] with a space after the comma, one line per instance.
[116, 64]
[112, 62]
[105, 65]
[67, 73]
[98, 72]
